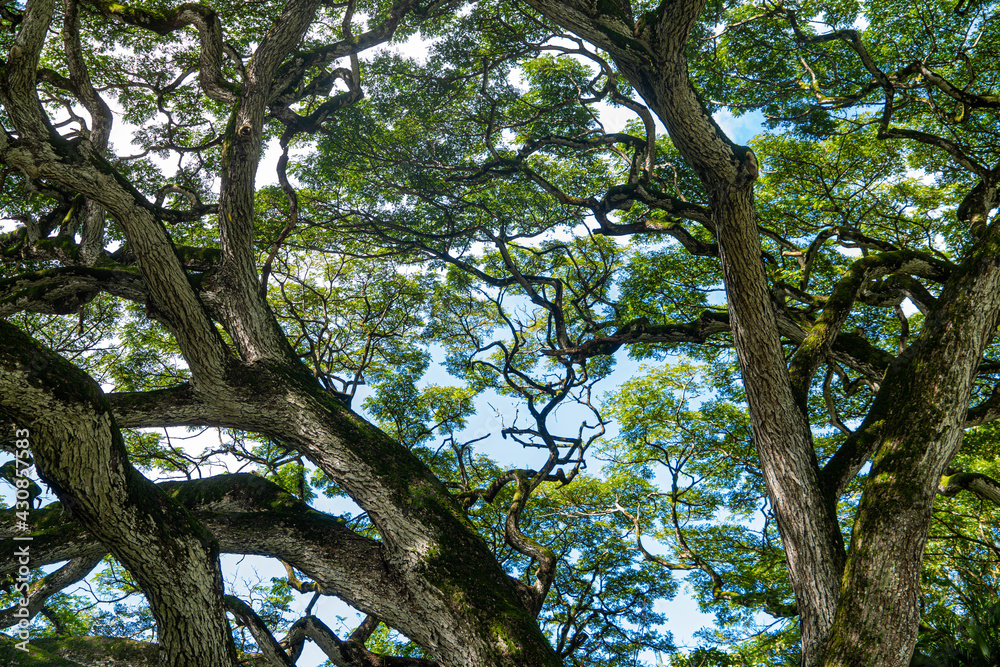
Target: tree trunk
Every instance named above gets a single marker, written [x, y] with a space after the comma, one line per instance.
[865, 614]
[79, 452]
[653, 61]
[814, 551]
[449, 593]
[915, 427]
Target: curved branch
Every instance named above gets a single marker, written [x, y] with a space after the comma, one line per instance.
[985, 412]
[289, 74]
[692, 244]
[297, 124]
[49, 585]
[182, 406]
[79, 452]
[269, 646]
[64, 290]
[18, 94]
[544, 556]
[948, 146]
[619, 197]
[248, 515]
[92, 214]
[173, 188]
[293, 216]
[641, 331]
[851, 350]
[349, 653]
[981, 485]
[888, 84]
[204, 19]
[173, 297]
[951, 90]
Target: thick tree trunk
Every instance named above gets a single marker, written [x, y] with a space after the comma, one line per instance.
[866, 614]
[653, 61]
[432, 577]
[249, 515]
[810, 534]
[447, 590]
[452, 596]
[915, 428]
[79, 452]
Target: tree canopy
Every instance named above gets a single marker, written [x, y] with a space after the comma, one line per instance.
[256, 220]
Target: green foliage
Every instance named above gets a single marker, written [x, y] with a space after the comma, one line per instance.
[415, 415]
[463, 206]
[384, 641]
[603, 598]
[970, 639]
[353, 321]
[711, 518]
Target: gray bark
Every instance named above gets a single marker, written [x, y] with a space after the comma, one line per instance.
[652, 60]
[462, 607]
[79, 452]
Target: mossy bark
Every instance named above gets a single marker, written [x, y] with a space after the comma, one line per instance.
[79, 452]
[915, 425]
[441, 584]
[914, 429]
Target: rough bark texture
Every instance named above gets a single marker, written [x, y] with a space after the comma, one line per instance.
[653, 61]
[843, 613]
[434, 576]
[807, 521]
[920, 414]
[430, 575]
[79, 452]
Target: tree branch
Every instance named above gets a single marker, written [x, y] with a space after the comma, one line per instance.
[64, 290]
[79, 452]
[269, 646]
[981, 485]
[49, 585]
[820, 339]
[204, 19]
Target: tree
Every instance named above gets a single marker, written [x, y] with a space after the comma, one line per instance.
[494, 142]
[243, 372]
